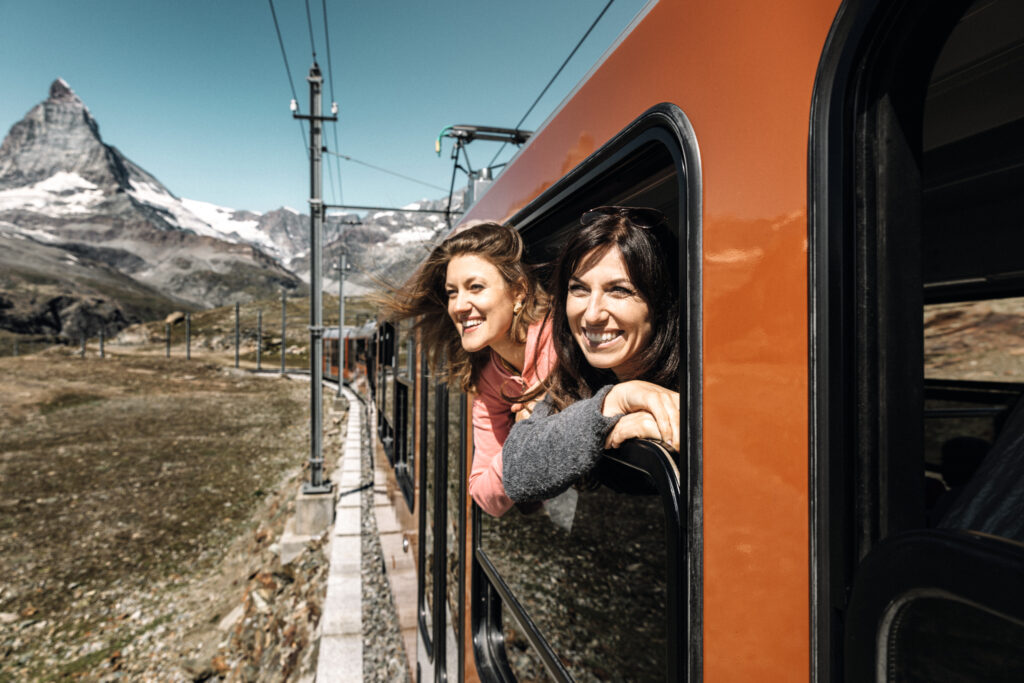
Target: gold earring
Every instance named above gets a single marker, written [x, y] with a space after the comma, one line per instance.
[518, 307]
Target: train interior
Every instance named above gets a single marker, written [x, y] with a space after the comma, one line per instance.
[935, 364]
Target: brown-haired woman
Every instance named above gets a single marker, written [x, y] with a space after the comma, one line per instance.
[616, 334]
[481, 311]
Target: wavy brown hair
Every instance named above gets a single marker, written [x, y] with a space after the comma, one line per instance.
[423, 297]
[650, 253]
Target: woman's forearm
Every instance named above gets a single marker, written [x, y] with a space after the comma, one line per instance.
[547, 453]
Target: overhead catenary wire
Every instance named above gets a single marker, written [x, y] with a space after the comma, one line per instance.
[542, 92]
[384, 170]
[330, 81]
[312, 43]
[288, 71]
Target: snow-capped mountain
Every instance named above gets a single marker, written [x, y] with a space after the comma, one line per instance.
[62, 187]
[98, 228]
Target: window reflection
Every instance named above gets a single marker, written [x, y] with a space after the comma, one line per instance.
[429, 461]
[453, 523]
[523, 660]
[590, 569]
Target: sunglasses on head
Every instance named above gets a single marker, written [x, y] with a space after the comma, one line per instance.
[638, 216]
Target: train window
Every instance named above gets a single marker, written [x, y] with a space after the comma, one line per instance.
[917, 309]
[580, 579]
[598, 581]
[428, 460]
[454, 528]
[404, 406]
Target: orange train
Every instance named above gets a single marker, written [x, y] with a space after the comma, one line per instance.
[842, 178]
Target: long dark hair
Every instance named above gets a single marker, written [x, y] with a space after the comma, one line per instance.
[650, 253]
[423, 297]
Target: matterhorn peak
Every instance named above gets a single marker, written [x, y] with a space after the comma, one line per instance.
[59, 135]
[60, 90]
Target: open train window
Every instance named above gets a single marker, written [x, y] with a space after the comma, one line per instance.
[603, 583]
[917, 429]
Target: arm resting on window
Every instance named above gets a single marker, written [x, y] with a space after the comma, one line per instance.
[546, 454]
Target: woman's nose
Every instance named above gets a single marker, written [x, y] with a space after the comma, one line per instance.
[595, 311]
[461, 303]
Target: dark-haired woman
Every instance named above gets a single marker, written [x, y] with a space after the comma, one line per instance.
[480, 309]
[616, 335]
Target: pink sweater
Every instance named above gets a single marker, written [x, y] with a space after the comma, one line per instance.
[493, 417]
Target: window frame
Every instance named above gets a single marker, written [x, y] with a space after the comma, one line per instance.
[664, 123]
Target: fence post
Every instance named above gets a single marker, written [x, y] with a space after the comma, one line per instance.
[284, 327]
[101, 344]
[188, 336]
[167, 338]
[83, 346]
[236, 335]
[259, 340]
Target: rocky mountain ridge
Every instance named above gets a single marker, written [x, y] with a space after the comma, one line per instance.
[95, 241]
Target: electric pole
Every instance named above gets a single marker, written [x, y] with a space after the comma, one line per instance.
[316, 483]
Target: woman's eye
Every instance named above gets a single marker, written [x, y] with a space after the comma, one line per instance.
[619, 290]
[450, 293]
[476, 287]
[577, 289]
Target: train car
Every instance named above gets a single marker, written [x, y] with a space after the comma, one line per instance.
[346, 351]
[844, 179]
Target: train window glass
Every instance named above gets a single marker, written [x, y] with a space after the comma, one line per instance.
[428, 463]
[454, 505]
[597, 591]
[975, 340]
[920, 353]
[973, 151]
[940, 639]
[524, 662]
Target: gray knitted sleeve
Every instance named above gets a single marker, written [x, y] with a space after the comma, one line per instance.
[544, 455]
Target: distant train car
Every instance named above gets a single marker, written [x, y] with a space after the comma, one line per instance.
[346, 352]
[837, 175]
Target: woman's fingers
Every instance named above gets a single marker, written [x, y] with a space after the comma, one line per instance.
[662, 404]
[632, 426]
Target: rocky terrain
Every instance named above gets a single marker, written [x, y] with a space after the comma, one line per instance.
[142, 498]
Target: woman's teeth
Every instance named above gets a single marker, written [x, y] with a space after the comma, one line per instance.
[599, 337]
[466, 324]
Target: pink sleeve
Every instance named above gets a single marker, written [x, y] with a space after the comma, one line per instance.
[492, 421]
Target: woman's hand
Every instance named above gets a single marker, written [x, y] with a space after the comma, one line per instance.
[523, 411]
[637, 397]
[633, 426]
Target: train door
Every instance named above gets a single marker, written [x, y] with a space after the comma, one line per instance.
[604, 581]
[917, 208]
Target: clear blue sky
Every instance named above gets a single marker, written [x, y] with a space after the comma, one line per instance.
[195, 91]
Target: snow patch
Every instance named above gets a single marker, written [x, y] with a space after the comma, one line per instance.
[409, 235]
[222, 220]
[61, 194]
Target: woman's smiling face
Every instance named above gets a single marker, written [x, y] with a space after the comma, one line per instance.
[480, 301]
[607, 315]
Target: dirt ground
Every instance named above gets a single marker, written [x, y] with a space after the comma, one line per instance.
[140, 498]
